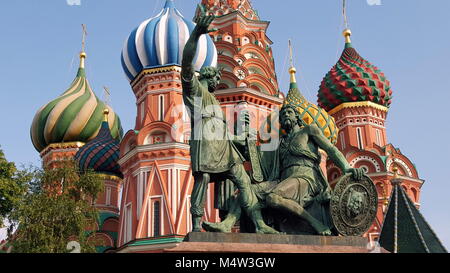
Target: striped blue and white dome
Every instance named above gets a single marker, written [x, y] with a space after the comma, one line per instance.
[159, 41]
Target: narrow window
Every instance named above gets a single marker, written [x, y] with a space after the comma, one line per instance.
[156, 219]
[128, 224]
[360, 139]
[142, 111]
[108, 196]
[161, 107]
[140, 186]
[378, 135]
[342, 139]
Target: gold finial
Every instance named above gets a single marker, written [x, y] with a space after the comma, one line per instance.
[83, 45]
[395, 170]
[105, 113]
[82, 58]
[385, 196]
[347, 33]
[292, 69]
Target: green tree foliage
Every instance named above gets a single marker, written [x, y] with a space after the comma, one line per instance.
[12, 187]
[56, 209]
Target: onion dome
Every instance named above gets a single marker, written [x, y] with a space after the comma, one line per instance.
[160, 41]
[74, 116]
[310, 113]
[101, 153]
[353, 79]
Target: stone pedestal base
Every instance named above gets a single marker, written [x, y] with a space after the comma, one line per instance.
[269, 243]
[212, 242]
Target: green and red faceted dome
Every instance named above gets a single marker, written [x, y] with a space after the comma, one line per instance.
[353, 79]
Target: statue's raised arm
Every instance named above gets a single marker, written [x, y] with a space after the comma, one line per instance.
[202, 27]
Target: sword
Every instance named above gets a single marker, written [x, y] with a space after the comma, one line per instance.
[254, 160]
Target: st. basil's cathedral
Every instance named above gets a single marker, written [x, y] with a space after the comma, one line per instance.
[145, 206]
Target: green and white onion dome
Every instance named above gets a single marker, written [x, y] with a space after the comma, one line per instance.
[75, 116]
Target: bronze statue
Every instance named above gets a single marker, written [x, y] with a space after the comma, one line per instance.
[302, 182]
[214, 155]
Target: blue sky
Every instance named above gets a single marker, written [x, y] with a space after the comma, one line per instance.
[407, 39]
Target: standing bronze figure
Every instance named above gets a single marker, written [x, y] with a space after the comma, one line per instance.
[214, 154]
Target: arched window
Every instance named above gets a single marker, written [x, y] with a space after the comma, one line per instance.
[415, 194]
[228, 38]
[245, 40]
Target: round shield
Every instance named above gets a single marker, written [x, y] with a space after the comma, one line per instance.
[353, 205]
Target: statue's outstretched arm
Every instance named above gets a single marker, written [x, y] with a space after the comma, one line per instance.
[203, 21]
[335, 155]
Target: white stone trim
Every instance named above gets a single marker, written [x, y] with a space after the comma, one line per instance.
[153, 147]
[366, 158]
[401, 162]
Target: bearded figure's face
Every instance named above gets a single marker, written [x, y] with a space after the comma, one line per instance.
[288, 118]
[211, 76]
[355, 203]
[213, 82]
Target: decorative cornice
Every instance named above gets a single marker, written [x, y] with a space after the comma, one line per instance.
[158, 159]
[404, 178]
[242, 19]
[244, 90]
[155, 70]
[357, 104]
[109, 177]
[64, 145]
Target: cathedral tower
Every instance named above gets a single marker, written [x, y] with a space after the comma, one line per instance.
[66, 123]
[358, 95]
[245, 58]
[101, 155]
[78, 126]
[155, 156]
